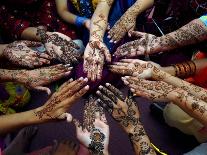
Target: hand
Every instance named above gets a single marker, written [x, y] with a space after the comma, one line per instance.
[94, 55]
[60, 102]
[123, 109]
[145, 44]
[94, 133]
[35, 79]
[19, 53]
[135, 67]
[87, 24]
[154, 90]
[59, 46]
[125, 24]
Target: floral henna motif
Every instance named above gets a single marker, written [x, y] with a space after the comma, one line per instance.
[67, 48]
[125, 111]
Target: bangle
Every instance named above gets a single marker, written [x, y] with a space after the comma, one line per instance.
[185, 69]
[80, 21]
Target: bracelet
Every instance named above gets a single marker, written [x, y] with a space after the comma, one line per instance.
[80, 21]
[185, 69]
[41, 32]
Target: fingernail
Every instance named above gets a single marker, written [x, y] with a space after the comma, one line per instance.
[108, 37]
[67, 65]
[126, 82]
[115, 42]
[71, 79]
[111, 41]
[86, 80]
[98, 100]
[70, 68]
[80, 79]
[98, 92]
[126, 77]
[67, 73]
[132, 90]
[86, 87]
[100, 87]
[123, 78]
[108, 84]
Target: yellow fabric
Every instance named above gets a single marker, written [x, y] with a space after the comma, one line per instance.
[176, 117]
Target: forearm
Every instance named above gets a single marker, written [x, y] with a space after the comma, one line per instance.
[99, 20]
[62, 9]
[139, 6]
[200, 64]
[192, 33]
[195, 90]
[190, 104]
[140, 141]
[30, 33]
[2, 47]
[19, 120]
[10, 75]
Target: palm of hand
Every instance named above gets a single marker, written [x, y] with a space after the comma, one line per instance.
[94, 59]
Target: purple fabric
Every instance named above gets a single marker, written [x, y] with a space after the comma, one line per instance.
[3, 93]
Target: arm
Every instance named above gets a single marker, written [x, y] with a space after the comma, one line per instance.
[55, 108]
[99, 20]
[190, 104]
[128, 20]
[2, 47]
[125, 111]
[162, 91]
[192, 33]
[96, 51]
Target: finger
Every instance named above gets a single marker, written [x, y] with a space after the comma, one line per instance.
[121, 64]
[107, 54]
[103, 118]
[74, 45]
[74, 86]
[136, 34]
[44, 61]
[64, 84]
[94, 73]
[108, 93]
[107, 100]
[133, 61]
[116, 91]
[47, 90]
[121, 70]
[77, 125]
[99, 72]
[32, 43]
[58, 76]
[44, 55]
[105, 106]
[80, 93]
[66, 116]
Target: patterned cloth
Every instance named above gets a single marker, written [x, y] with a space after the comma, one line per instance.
[14, 19]
[12, 96]
[204, 19]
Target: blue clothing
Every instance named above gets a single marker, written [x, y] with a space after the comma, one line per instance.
[204, 19]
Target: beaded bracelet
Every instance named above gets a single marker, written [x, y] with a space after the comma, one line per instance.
[80, 21]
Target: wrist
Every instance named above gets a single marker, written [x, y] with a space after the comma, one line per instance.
[39, 114]
[169, 69]
[42, 33]
[175, 95]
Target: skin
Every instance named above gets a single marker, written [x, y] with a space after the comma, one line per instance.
[36, 78]
[96, 51]
[94, 133]
[192, 33]
[128, 20]
[66, 15]
[54, 109]
[125, 111]
[20, 53]
[162, 91]
[58, 45]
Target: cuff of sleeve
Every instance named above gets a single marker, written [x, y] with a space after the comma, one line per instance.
[20, 26]
[80, 21]
[204, 19]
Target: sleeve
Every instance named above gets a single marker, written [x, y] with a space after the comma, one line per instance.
[12, 26]
[204, 19]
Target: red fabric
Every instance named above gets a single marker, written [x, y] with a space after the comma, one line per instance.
[14, 19]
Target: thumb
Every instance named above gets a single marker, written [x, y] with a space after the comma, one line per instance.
[107, 54]
[135, 34]
[32, 43]
[47, 90]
